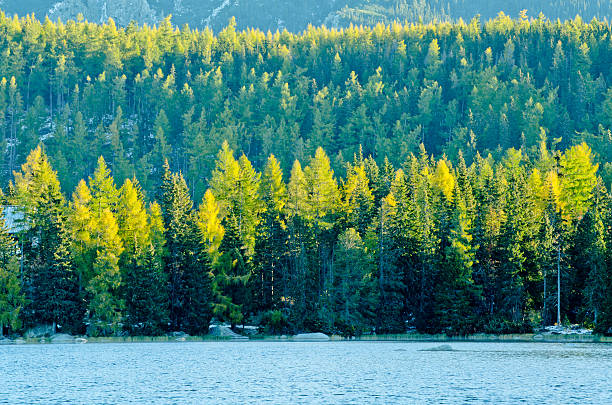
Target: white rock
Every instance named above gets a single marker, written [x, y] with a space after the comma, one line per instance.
[311, 337]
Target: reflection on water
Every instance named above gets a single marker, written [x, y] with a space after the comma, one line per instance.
[292, 372]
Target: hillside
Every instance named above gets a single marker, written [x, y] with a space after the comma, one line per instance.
[295, 15]
[138, 96]
[446, 177]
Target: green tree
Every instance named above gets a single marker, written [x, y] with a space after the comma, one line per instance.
[141, 266]
[12, 300]
[354, 285]
[105, 304]
[49, 277]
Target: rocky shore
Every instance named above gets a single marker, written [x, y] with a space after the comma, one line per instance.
[225, 333]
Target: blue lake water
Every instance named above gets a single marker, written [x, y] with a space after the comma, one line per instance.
[295, 372]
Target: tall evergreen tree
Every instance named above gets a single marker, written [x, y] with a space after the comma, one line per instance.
[12, 300]
[143, 278]
[49, 278]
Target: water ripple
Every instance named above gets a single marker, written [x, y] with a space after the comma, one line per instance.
[310, 373]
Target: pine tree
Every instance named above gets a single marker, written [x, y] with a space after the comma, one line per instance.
[59, 296]
[187, 263]
[390, 308]
[105, 304]
[143, 278]
[209, 224]
[12, 300]
[49, 278]
[177, 214]
[104, 193]
[354, 285]
[146, 295]
[235, 185]
[578, 181]
[232, 274]
[198, 290]
[270, 262]
[358, 198]
[456, 296]
[82, 225]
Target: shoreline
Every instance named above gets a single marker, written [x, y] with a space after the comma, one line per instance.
[482, 338]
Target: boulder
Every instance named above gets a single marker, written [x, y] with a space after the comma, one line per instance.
[60, 338]
[224, 331]
[80, 340]
[311, 337]
[39, 331]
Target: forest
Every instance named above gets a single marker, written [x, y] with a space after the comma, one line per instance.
[428, 246]
[445, 178]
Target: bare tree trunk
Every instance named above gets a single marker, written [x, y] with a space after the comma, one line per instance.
[559, 285]
[545, 299]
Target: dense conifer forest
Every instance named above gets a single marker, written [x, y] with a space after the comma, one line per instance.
[438, 177]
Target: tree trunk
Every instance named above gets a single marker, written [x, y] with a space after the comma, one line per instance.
[559, 285]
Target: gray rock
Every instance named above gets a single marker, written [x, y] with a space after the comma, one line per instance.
[19, 341]
[311, 337]
[39, 331]
[99, 11]
[62, 338]
[80, 340]
[224, 331]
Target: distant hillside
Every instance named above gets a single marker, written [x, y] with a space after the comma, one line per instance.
[296, 15]
[372, 12]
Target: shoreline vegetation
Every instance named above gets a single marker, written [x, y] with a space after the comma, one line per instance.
[406, 337]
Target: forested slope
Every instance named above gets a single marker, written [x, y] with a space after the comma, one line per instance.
[296, 15]
[427, 176]
[388, 11]
[136, 96]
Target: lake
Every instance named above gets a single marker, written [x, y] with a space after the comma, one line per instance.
[301, 372]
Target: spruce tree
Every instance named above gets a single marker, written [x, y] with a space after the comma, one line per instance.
[198, 288]
[49, 278]
[456, 295]
[353, 285]
[177, 206]
[270, 262]
[232, 275]
[12, 300]
[143, 278]
[187, 263]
